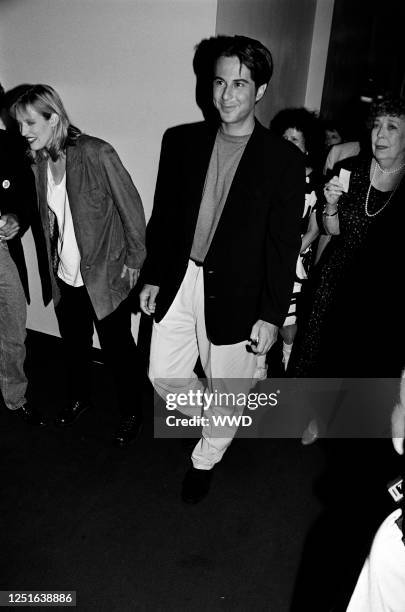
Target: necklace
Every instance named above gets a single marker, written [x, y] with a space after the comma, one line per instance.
[390, 171]
[368, 194]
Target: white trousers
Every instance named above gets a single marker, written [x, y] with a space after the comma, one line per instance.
[177, 340]
[381, 584]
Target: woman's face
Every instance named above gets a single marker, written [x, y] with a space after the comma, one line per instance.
[36, 128]
[296, 137]
[332, 137]
[388, 140]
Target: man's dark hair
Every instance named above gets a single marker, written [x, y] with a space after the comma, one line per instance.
[205, 55]
[251, 53]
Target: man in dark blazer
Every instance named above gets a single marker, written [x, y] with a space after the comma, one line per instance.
[17, 201]
[222, 245]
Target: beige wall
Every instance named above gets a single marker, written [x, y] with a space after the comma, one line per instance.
[123, 69]
[319, 53]
[286, 27]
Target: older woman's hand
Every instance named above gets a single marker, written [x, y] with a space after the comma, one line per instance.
[333, 190]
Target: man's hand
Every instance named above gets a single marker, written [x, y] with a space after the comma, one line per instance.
[398, 420]
[265, 334]
[10, 228]
[147, 298]
[133, 274]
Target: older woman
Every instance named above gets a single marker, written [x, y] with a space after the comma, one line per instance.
[94, 226]
[354, 323]
[354, 328]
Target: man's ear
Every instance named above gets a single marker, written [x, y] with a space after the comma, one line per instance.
[261, 91]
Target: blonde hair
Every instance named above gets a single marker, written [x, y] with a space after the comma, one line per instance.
[46, 101]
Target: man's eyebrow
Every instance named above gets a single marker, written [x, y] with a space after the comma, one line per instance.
[238, 80]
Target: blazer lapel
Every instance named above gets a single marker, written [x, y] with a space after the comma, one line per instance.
[197, 168]
[252, 159]
[252, 163]
[73, 175]
[40, 171]
[41, 234]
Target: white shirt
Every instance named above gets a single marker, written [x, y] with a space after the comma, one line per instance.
[381, 584]
[68, 251]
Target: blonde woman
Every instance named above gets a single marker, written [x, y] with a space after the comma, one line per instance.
[94, 226]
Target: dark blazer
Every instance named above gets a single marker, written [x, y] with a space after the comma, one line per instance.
[17, 196]
[249, 269]
[108, 220]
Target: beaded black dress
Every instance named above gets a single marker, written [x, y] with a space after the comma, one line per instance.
[353, 310]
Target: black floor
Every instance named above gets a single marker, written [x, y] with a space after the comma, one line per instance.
[278, 532]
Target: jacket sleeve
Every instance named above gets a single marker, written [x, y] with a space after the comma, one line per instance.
[128, 202]
[158, 232]
[22, 199]
[283, 240]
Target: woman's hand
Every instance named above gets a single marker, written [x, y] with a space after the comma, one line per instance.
[311, 233]
[332, 191]
[133, 275]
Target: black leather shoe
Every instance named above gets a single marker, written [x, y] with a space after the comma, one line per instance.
[128, 430]
[196, 485]
[71, 413]
[30, 415]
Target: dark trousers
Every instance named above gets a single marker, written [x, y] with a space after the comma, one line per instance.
[76, 317]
